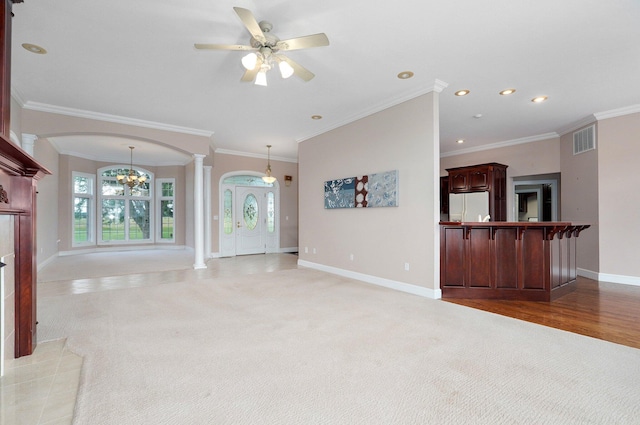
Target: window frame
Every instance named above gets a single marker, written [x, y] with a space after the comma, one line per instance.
[91, 205]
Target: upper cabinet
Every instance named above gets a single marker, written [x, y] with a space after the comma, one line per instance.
[476, 178]
[491, 177]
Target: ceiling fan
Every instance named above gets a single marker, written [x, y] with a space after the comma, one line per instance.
[265, 48]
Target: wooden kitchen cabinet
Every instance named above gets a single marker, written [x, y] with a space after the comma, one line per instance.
[491, 177]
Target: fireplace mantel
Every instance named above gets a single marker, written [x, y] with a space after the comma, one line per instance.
[19, 174]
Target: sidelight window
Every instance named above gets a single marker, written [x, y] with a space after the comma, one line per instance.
[83, 209]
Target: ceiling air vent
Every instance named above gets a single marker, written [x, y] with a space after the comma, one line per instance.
[584, 140]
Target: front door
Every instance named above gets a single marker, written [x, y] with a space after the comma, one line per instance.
[250, 215]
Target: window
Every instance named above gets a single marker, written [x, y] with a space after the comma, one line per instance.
[228, 212]
[126, 212]
[165, 209]
[271, 213]
[83, 209]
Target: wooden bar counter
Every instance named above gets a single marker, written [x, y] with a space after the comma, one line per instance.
[533, 261]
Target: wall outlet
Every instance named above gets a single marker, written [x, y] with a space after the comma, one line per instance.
[306, 249]
[351, 257]
[314, 250]
[406, 266]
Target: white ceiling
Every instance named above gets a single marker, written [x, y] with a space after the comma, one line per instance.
[136, 60]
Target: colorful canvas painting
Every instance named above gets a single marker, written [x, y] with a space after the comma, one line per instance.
[367, 191]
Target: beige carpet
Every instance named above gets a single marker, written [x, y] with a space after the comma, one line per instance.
[305, 347]
[100, 264]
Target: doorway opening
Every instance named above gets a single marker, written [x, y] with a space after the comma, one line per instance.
[537, 197]
[250, 214]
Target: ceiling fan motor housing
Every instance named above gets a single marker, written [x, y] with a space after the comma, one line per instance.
[272, 40]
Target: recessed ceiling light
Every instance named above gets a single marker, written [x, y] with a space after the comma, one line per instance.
[477, 116]
[405, 75]
[539, 99]
[462, 92]
[316, 117]
[34, 49]
[507, 92]
[460, 141]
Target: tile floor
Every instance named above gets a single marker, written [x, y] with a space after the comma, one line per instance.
[41, 388]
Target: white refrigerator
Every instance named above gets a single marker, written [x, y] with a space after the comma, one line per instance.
[469, 206]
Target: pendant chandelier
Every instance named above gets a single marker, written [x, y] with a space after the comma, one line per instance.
[268, 178]
[134, 178]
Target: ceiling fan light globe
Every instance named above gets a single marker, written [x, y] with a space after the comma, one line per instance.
[285, 69]
[249, 61]
[261, 79]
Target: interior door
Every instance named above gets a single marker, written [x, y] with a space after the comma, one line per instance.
[250, 220]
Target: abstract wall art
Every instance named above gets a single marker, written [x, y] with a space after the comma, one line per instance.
[367, 191]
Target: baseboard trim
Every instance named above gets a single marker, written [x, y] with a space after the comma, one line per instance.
[279, 251]
[125, 248]
[47, 261]
[611, 278]
[375, 280]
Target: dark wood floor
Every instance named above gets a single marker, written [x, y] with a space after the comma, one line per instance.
[601, 310]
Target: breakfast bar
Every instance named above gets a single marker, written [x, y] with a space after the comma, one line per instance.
[533, 261]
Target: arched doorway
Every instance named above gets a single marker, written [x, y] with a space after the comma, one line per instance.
[250, 214]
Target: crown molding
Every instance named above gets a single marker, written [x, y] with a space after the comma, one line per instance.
[436, 87]
[115, 160]
[588, 120]
[79, 113]
[17, 96]
[523, 140]
[255, 155]
[627, 110]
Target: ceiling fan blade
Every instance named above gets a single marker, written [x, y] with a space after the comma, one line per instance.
[250, 74]
[250, 22]
[315, 40]
[298, 69]
[223, 47]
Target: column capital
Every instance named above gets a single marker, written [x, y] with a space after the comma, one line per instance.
[28, 141]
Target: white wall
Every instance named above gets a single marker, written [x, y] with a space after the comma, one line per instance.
[527, 159]
[47, 202]
[579, 193]
[382, 240]
[8, 298]
[618, 144]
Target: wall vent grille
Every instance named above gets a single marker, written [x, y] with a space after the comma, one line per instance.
[584, 140]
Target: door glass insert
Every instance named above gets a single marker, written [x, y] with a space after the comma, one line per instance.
[250, 211]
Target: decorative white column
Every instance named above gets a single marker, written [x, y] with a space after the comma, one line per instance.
[207, 211]
[198, 227]
[28, 140]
